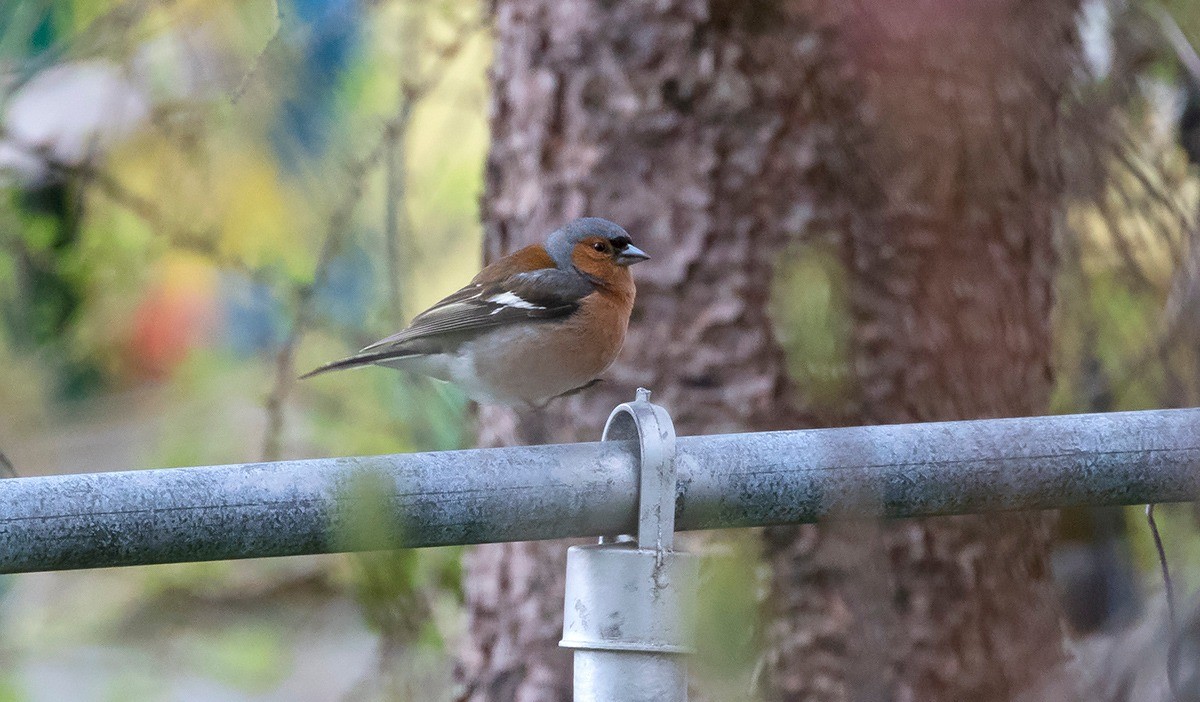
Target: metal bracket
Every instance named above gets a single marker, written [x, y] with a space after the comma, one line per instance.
[629, 604]
[651, 426]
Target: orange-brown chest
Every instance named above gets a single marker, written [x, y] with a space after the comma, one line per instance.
[545, 360]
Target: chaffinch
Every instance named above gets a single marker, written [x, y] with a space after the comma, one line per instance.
[539, 323]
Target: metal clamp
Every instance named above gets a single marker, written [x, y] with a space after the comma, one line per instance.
[651, 426]
[629, 604]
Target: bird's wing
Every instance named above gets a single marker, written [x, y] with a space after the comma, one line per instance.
[544, 294]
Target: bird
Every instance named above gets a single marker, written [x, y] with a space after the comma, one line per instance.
[540, 323]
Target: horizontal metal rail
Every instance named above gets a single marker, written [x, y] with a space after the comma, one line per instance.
[589, 489]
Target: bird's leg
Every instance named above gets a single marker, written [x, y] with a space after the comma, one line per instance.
[581, 388]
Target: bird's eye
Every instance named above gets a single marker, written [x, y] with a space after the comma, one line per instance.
[600, 246]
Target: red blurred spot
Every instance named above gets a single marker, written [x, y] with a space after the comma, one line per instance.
[177, 314]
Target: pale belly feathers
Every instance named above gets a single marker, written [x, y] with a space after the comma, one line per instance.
[517, 362]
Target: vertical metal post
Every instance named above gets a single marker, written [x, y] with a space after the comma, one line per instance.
[629, 607]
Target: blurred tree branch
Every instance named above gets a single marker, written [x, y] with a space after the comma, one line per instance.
[1172, 617]
[262, 56]
[1136, 188]
[335, 235]
[416, 83]
[6, 467]
[201, 242]
[397, 227]
[1189, 60]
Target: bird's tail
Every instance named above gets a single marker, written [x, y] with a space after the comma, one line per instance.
[358, 361]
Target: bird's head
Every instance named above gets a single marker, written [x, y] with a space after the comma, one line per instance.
[595, 246]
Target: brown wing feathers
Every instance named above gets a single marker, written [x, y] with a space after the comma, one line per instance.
[523, 297]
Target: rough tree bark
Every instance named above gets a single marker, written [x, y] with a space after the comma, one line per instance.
[948, 186]
[713, 130]
[688, 124]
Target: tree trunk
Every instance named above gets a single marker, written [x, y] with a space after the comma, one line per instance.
[713, 131]
[949, 182]
[688, 125]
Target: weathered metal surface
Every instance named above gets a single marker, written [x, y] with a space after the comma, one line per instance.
[629, 607]
[542, 492]
[624, 676]
[622, 598]
[651, 427]
[912, 470]
[297, 507]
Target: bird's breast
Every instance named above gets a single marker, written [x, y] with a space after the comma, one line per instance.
[532, 363]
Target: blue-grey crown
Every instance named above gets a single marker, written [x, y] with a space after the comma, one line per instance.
[562, 243]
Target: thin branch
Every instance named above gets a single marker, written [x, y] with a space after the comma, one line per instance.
[1174, 324]
[6, 467]
[397, 225]
[1138, 277]
[1175, 227]
[261, 57]
[203, 243]
[412, 90]
[446, 54]
[285, 359]
[1169, 593]
[148, 211]
[1169, 588]
[1178, 211]
[1184, 51]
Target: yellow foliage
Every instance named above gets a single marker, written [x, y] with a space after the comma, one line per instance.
[184, 273]
[232, 195]
[259, 222]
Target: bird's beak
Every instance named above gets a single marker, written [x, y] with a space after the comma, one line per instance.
[631, 255]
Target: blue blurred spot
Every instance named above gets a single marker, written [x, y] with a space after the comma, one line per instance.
[327, 33]
[257, 321]
[349, 288]
[254, 316]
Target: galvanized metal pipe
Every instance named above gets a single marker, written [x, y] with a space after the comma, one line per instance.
[542, 492]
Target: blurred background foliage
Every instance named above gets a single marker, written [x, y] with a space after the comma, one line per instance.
[203, 198]
[200, 201]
